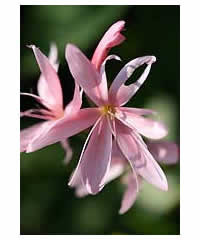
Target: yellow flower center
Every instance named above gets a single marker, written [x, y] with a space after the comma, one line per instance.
[107, 110]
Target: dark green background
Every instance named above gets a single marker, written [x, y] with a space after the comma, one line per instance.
[48, 205]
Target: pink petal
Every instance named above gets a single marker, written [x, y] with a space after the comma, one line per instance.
[37, 98]
[140, 159]
[43, 85]
[130, 194]
[103, 72]
[65, 127]
[51, 90]
[111, 38]
[86, 76]
[137, 111]
[74, 106]
[94, 163]
[117, 155]
[145, 126]
[27, 134]
[119, 94]
[76, 182]
[38, 113]
[164, 152]
[53, 56]
[117, 167]
[68, 150]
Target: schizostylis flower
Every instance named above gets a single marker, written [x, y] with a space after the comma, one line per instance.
[115, 122]
[51, 98]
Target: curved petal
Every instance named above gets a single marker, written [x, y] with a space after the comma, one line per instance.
[95, 162]
[52, 89]
[86, 76]
[27, 134]
[64, 128]
[164, 152]
[117, 167]
[74, 106]
[130, 194]
[147, 127]
[119, 94]
[68, 150]
[103, 72]
[43, 85]
[111, 38]
[139, 157]
[37, 98]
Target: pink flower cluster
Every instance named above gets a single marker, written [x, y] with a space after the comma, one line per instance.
[115, 139]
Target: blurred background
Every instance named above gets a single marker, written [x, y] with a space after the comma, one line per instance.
[48, 205]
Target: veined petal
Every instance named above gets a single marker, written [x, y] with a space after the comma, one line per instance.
[96, 159]
[86, 76]
[52, 89]
[145, 126]
[164, 152]
[74, 106]
[43, 86]
[119, 94]
[130, 194]
[137, 111]
[95, 162]
[139, 157]
[117, 167]
[27, 134]
[64, 128]
[111, 38]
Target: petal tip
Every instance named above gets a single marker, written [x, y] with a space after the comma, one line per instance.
[32, 46]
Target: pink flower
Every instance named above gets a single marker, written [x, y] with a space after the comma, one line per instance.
[50, 96]
[122, 124]
[133, 182]
[74, 119]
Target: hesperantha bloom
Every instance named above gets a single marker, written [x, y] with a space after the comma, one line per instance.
[51, 98]
[115, 123]
[74, 119]
[163, 152]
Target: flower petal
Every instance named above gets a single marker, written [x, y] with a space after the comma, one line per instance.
[95, 162]
[86, 76]
[140, 159]
[130, 194]
[117, 167]
[111, 38]
[137, 111]
[145, 126]
[65, 127]
[74, 106]
[51, 91]
[68, 150]
[103, 72]
[27, 134]
[164, 152]
[43, 87]
[119, 94]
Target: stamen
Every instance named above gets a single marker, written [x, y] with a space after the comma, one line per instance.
[108, 110]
